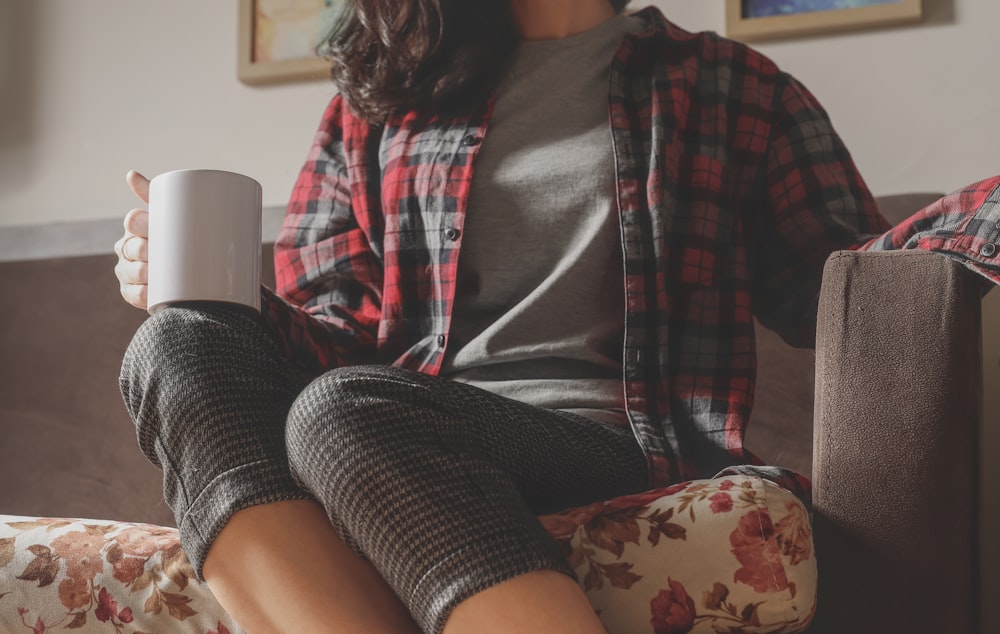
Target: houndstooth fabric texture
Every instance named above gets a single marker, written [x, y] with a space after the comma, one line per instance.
[437, 483]
[209, 393]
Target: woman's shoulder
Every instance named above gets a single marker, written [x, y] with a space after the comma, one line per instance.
[340, 114]
[340, 124]
[708, 51]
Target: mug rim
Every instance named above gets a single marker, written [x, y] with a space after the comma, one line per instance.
[204, 171]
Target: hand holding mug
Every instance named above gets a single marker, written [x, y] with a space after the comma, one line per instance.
[132, 248]
[199, 241]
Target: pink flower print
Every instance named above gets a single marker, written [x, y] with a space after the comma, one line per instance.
[721, 502]
[672, 610]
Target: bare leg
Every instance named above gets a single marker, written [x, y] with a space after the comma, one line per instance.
[541, 601]
[281, 567]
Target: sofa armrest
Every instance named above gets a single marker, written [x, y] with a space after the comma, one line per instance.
[895, 447]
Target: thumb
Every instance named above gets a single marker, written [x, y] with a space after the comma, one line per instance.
[139, 184]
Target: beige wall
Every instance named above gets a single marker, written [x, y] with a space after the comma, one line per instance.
[91, 89]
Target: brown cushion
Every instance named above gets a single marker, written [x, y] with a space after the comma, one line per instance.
[68, 446]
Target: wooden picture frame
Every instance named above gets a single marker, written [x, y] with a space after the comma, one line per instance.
[256, 66]
[878, 13]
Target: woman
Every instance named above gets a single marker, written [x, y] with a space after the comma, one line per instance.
[370, 454]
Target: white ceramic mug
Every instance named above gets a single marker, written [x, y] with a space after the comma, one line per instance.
[204, 238]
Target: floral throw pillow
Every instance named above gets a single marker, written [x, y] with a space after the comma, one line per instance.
[731, 554]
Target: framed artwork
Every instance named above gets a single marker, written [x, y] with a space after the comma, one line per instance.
[751, 20]
[279, 39]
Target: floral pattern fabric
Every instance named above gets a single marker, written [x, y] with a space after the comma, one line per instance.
[732, 554]
[99, 576]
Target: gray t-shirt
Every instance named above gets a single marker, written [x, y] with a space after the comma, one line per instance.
[539, 310]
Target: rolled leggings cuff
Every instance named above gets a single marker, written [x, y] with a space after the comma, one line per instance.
[245, 486]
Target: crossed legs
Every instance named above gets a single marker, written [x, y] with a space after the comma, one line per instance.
[388, 498]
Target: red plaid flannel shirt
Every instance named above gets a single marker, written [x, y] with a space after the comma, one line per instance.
[733, 188]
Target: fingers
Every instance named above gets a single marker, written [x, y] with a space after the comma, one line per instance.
[120, 246]
[132, 272]
[139, 185]
[134, 294]
[135, 249]
[132, 282]
[137, 223]
[132, 248]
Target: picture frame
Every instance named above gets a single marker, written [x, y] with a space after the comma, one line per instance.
[278, 40]
[814, 19]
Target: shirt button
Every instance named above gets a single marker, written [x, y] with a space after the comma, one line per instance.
[470, 139]
[452, 233]
[440, 341]
[988, 250]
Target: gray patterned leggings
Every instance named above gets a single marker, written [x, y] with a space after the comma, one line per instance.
[435, 482]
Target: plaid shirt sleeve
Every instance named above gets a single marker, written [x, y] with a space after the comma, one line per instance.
[326, 308]
[963, 226]
[816, 202]
[819, 203]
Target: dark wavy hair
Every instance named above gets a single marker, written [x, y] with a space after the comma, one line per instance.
[434, 56]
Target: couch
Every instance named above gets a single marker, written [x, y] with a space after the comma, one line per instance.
[894, 464]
